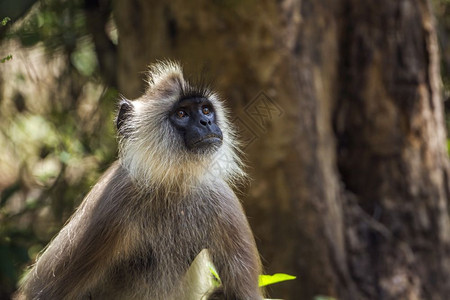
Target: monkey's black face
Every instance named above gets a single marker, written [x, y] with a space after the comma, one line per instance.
[195, 119]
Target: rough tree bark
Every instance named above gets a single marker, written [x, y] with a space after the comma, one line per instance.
[392, 157]
[339, 105]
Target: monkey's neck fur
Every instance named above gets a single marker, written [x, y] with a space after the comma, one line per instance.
[147, 136]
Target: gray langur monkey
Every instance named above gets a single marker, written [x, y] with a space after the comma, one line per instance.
[166, 198]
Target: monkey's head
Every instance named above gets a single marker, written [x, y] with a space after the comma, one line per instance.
[176, 134]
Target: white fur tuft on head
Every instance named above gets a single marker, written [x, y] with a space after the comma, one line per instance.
[154, 152]
[163, 70]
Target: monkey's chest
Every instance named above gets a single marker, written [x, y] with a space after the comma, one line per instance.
[182, 234]
[170, 242]
[177, 235]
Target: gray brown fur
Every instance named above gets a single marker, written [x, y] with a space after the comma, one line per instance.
[136, 232]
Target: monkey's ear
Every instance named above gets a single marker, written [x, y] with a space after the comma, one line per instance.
[125, 109]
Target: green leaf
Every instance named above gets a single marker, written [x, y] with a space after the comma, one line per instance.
[84, 59]
[275, 278]
[448, 146]
[216, 278]
[64, 157]
[5, 21]
[6, 58]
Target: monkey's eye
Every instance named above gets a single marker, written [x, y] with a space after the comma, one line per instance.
[181, 114]
[206, 110]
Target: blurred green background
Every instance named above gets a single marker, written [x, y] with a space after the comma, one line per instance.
[56, 127]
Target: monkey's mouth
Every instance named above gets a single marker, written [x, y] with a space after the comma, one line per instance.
[207, 141]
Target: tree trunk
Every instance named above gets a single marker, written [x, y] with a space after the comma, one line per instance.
[391, 151]
[339, 106]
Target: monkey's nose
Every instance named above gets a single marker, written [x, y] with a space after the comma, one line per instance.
[205, 122]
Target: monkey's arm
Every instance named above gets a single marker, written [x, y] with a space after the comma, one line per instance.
[235, 255]
[79, 256]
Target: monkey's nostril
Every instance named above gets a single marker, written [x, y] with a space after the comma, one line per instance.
[203, 122]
